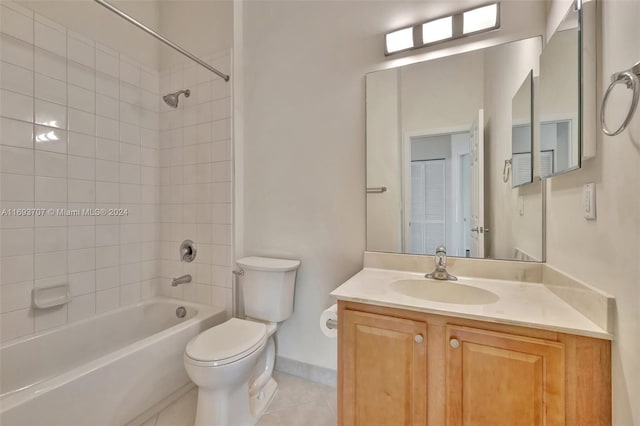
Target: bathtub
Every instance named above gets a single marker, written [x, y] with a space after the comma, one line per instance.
[105, 370]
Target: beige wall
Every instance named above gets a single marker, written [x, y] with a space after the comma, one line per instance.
[201, 27]
[455, 82]
[304, 152]
[304, 139]
[88, 18]
[555, 11]
[384, 221]
[605, 252]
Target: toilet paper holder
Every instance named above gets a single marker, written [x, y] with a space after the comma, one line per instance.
[331, 323]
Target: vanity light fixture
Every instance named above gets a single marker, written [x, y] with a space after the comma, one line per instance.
[399, 40]
[481, 19]
[462, 24]
[437, 30]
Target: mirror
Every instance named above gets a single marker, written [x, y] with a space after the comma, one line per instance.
[559, 100]
[522, 134]
[438, 133]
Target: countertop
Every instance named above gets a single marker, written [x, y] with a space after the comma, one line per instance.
[519, 303]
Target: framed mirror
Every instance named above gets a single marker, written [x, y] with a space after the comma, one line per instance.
[438, 133]
[522, 134]
[558, 99]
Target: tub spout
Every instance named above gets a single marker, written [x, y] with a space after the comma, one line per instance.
[181, 280]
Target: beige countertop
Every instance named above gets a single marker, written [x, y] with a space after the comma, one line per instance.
[518, 303]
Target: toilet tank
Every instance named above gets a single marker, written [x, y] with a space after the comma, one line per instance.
[268, 287]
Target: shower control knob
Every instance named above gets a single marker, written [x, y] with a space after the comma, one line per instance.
[188, 251]
[454, 343]
[419, 338]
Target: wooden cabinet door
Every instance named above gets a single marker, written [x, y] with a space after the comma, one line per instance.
[502, 379]
[382, 370]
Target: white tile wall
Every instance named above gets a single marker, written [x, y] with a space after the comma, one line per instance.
[195, 182]
[79, 128]
[82, 127]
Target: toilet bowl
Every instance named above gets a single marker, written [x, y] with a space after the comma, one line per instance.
[232, 363]
[222, 362]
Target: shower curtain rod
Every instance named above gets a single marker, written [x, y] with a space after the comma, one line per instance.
[161, 38]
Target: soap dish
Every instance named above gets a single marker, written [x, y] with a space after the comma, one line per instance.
[50, 297]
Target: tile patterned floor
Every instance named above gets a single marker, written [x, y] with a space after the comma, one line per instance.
[297, 403]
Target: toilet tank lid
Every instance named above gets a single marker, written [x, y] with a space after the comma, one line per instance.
[255, 263]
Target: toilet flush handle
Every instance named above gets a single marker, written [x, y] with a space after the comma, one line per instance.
[234, 290]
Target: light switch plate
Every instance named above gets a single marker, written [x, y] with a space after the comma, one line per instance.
[589, 201]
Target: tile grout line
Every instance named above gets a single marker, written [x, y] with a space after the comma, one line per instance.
[66, 62]
[119, 184]
[95, 183]
[33, 145]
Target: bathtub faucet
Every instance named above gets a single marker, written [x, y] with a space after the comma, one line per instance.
[181, 280]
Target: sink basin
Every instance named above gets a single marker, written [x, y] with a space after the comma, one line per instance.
[444, 292]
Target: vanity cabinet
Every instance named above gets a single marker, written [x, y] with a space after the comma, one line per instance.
[384, 365]
[401, 367]
[496, 376]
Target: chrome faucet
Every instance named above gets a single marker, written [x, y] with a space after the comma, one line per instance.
[440, 272]
[181, 280]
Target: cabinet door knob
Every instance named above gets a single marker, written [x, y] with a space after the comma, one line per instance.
[419, 338]
[454, 343]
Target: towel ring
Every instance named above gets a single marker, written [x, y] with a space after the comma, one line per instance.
[631, 80]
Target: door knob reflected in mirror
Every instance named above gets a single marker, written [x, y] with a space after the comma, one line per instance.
[480, 229]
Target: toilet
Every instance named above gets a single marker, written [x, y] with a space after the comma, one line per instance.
[232, 363]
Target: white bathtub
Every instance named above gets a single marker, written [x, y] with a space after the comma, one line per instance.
[105, 370]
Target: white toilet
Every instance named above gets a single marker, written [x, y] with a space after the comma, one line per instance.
[232, 362]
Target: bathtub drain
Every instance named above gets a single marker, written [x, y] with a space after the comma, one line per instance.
[181, 312]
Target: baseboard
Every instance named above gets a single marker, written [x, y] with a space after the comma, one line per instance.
[322, 375]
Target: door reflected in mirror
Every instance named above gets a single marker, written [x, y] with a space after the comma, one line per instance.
[438, 133]
[439, 165]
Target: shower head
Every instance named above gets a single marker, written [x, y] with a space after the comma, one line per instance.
[172, 98]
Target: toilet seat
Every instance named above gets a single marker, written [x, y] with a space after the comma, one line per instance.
[226, 343]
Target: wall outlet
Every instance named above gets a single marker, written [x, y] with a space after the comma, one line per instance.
[589, 201]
